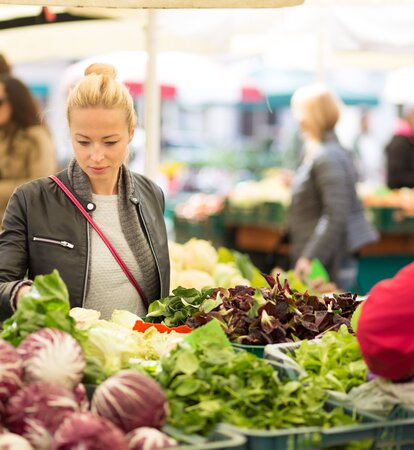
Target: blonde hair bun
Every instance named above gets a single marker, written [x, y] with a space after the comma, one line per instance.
[101, 69]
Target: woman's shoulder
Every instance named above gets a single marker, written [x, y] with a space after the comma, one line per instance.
[34, 187]
[147, 188]
[330, 152]
[144, 181]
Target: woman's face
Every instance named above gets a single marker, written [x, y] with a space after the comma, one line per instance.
[306, 126]
[100, 139]
[5, 106]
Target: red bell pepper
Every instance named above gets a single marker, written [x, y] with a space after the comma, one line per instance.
[160, 327]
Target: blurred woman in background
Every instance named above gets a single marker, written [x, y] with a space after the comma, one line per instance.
[327, 219]
[26, 147]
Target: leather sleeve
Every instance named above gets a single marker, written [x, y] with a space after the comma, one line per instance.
[13, 251]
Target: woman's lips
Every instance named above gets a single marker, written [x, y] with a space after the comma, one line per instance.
[97, 169]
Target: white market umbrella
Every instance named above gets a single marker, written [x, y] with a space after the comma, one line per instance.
[187, 78]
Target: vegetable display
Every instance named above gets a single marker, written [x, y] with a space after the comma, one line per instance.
[200, 381]
[175, 309]
[36, 411]
[131, 400]
[81, 397]
[11, 371]
[335, 362]
[45, 305]
[52, 356]
[88, 432]
[208, 382]
[10, 441]
[197, 264]
[257, 316]
[146, 438]
[107, 345]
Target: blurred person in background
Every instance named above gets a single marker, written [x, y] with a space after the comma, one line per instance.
[327, 219]
[400, 151]
[27, 151]
[43, 230]
[5, 67]
[369, 153]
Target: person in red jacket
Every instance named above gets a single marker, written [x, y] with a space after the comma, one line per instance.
[385, 329]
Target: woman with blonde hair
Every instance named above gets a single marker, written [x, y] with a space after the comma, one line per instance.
[327, 219]
[99, 224]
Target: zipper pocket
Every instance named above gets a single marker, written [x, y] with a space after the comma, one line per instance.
[53, 241]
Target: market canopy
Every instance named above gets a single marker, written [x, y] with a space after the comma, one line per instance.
[163, 3]
[187, 78]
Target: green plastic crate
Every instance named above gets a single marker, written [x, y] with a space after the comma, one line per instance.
[282, 366]
[373, 433]
[211, 229]
[272, 213]
[406, 434]
[391, 220]
[237, 214]
[257, 350]
[220, 439]
[265, 213]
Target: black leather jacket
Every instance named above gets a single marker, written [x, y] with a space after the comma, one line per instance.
[43, 231]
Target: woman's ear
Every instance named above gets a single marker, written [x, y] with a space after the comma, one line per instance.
[131, 135]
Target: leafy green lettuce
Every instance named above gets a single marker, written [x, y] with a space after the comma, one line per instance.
[46, 304]
[207, 382]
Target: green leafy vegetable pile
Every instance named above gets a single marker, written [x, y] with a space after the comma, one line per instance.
[45, 305]
[207, 382]
[335, 362]
[176, 308]
[257, 316]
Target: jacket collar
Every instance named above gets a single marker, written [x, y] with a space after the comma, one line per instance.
[82, 187]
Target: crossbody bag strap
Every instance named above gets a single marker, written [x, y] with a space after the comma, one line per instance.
[103, 237]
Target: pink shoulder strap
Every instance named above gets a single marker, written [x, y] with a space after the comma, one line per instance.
[103, 237]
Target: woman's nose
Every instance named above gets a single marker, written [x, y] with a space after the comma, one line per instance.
[97, 153]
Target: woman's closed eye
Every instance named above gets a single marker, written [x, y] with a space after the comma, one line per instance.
[84, 143]
[110, 143]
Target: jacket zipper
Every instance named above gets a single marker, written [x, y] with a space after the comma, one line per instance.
[152, 247]
[54, 241]
[87, 263]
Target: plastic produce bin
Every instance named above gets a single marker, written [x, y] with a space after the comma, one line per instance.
[272, 213]
[221, 439]
[391, 220]
[373, 433]
[237, 214]
[282, 366]
[257, 350]
[210, 229]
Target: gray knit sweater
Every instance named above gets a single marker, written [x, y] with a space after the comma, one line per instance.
[130, 225]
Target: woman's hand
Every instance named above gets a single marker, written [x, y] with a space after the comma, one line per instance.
[22, 290]
[302, 268]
